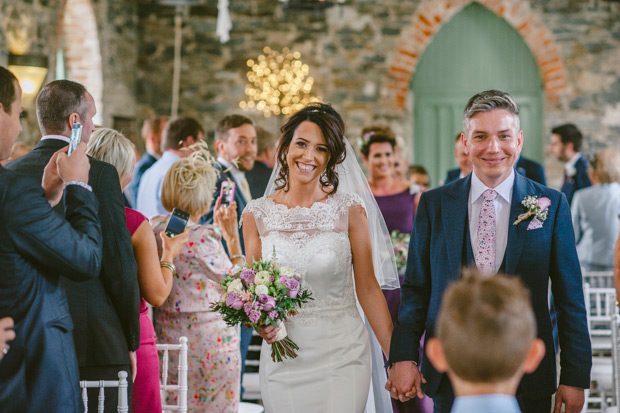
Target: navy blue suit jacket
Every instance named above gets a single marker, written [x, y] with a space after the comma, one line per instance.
[437, 254]
[40, 371]
[579, 181]
[258, 178]
[453, 175]
[239, 199]
[105, 310]
[531, 169]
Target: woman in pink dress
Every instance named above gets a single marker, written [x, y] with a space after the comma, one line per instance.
[155, 279]
[214, 358]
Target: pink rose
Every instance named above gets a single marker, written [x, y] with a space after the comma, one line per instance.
[268, 303]
[234, 301]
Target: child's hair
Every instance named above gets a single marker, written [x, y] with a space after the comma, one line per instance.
[486, 327]
[190, 182]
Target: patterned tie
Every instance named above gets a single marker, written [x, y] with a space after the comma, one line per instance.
[485, 253]
[245, 188]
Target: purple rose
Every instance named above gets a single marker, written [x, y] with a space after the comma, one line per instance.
[292, 284]
[268, 303]
[247, 307]
[293, 293]
[234, 301]
[254, 316]
[273, 315]
[247, 276]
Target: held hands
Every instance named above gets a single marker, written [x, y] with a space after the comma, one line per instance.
[51, 183]
[171, 246]
[405, 381]
[268, 333]
[226, 218]
[75, 167]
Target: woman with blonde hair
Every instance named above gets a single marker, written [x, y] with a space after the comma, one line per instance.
[154, 277]
[595, 213]
[214, 357]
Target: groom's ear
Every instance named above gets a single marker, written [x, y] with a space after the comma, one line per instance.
[435, 354]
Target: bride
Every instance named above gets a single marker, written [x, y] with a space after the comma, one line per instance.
[319, 224]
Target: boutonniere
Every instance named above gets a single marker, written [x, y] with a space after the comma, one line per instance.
[537, 209]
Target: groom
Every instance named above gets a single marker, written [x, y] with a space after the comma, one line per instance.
[472, 222]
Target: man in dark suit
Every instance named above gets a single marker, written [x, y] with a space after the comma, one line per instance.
[473, 221]
[258, 176]
[531, 169]
[566, 143]
[235, 142]
[462, 159]
[39, 372]
[151, 132]
[105, 310]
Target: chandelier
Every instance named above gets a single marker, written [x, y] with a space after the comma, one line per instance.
[278, 83]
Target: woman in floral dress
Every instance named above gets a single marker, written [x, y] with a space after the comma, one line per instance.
[213, 347]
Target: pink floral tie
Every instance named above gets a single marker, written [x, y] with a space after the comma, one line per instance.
[485, 256]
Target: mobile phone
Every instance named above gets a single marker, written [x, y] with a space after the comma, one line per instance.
[176, 223]
[227, 192]
[76, 137]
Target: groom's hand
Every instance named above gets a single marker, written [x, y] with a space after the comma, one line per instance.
[405, 381]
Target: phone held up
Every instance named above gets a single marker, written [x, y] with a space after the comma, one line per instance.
[227, 192]
[76, 137]
[176, 223]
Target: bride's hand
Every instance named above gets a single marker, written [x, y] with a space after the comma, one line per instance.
[268, 333]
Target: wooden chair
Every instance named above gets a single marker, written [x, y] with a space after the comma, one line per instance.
[121, 384]
[181, 386]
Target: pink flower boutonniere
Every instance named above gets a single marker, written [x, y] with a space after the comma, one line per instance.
[537, 209]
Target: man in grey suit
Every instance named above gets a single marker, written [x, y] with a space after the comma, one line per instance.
[105, 310]
[39, 371]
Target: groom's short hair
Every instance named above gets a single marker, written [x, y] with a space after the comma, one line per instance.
[486, 326]
[487, 101]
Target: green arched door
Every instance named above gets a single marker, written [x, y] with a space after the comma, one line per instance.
[476, 50]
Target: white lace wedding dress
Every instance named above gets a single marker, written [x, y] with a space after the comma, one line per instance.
[333, 370]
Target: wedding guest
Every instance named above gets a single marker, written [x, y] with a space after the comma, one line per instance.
[155, 279]
[462, 159]
[179, 134]
[105, 310]
[397, 205]
[418, 175]
[320, 220]
[6, 334]
[258, 176]
[39, 368]
[531, 169]
[475, 221]
[566, 141]
[595, 213]
[486, 341]
[151, 132]
[214, 357]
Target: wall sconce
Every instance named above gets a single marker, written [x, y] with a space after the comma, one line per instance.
[31, 71]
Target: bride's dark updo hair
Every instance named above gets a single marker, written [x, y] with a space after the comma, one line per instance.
[332, 126]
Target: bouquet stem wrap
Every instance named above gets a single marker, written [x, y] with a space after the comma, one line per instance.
[283, 347]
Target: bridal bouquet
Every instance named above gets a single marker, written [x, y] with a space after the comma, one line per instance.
[263, 294]
[400, 242]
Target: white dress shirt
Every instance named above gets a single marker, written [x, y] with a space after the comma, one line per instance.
[502, 213]
[569, 167]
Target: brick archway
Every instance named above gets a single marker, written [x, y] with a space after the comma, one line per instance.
[432, 14]
[79, 39]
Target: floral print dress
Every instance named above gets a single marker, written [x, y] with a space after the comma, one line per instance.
[214, 359]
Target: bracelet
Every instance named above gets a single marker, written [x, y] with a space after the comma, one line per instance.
[169, 265]
[234, 257]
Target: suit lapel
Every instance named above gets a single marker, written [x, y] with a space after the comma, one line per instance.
[454, 214]
[517, 233]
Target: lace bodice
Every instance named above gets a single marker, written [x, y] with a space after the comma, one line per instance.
[315, 242]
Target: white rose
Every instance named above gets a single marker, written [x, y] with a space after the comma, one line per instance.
[261, 289]
[287, 271]
[235, 285]
[262, 277]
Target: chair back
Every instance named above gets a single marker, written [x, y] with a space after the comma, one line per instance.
[121, 384]
[615, 356]
[600, 307]
[599, 279]
[181, 386]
